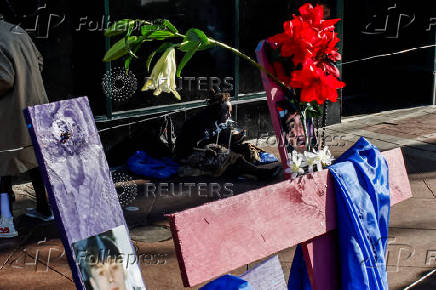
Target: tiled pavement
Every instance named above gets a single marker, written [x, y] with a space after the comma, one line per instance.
[36, 260]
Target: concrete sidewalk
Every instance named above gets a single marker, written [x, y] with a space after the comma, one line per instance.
[36, 261]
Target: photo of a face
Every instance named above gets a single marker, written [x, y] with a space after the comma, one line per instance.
[103, 262]
[108, 275]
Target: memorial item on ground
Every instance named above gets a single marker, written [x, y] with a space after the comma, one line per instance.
[211, 143]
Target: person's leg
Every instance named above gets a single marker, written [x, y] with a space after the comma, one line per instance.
[7, 229]
[41, 196]
[7, 196]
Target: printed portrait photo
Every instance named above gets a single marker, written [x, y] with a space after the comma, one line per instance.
[108, 262]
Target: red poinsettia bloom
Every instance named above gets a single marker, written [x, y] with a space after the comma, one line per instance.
[280, 72]
[308, 36]
[325, 53]
[310, 41]
[315, 84]
[296, 41]
[311, 14]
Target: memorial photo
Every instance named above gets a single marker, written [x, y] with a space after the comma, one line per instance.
[107, 261]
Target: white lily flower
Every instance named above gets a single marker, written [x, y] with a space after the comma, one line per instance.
[296, 164]
[325, 156]
[312, 159]
[163, 76]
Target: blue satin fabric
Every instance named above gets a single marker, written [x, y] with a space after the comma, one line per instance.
[299, 279]
[362, 209]
[227, 282]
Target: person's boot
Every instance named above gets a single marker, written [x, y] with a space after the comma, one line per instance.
[7, 229]
[42, 210]
[34, 213]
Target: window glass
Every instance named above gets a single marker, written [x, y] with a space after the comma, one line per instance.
[215, 18]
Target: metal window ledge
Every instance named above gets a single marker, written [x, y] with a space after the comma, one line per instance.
[243, 99]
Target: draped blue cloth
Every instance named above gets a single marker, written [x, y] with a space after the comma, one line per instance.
[362, 208]
[299, 279]
[227, 282]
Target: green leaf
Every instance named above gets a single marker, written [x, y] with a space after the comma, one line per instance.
[126, 41]
[148, 29]
[195, 39]
[157, 32]
[160, 49]
[119, 27]
[130, 57]
[206, 46]
[197, 35]
[187, 46]
[160, 35]
[170, 26]
[119, 48]
[188, 55]
[312, 109]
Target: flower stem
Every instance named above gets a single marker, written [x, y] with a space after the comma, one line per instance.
[244, 56]
[249, 59]
[303, 116]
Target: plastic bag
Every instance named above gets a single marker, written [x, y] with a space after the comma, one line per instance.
[143, 164]
[167, 134]
[266, 158]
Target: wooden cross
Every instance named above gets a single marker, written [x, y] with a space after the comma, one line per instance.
[218, 237]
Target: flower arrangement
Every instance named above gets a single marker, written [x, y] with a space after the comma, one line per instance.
[310, 42]
[303, 58]
[308, 162]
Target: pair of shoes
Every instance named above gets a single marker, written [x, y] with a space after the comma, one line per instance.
[33, 213]
[7, 229]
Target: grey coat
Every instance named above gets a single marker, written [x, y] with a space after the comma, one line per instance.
[21, 85]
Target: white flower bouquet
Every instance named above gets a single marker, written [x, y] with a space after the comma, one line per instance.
[308, 162]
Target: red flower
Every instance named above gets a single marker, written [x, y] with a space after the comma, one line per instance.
[325, 53]
[280, 72]
[308, 36]
[311, 42]
[315, 84]
[313, 15]
[296, 41]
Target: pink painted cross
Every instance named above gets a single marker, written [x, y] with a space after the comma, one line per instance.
[218, 237]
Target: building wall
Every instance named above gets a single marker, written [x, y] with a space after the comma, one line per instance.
[374, 28]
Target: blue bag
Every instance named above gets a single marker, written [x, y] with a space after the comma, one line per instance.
[266, 158]
[143, 164]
